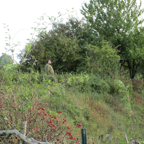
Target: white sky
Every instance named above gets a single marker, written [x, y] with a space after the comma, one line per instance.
[20, 15]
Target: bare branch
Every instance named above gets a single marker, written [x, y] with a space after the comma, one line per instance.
[126, 139]
[22, 137]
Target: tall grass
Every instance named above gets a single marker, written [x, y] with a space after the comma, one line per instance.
[87, 99]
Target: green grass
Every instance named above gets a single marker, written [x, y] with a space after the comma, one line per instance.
[83, 99]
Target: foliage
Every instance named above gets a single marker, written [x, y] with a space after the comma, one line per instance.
[5, 59]
[21, 107]
[86, 82]
[69, 93]
[102, 60]
[124, 90]
[63, 45]
[45, 123]
[137, 85]
[118, 22]
[91, 100]
[6, 63]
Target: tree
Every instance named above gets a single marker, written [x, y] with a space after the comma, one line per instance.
[118, 21]
[136, 53]
[102, 60]
[7, 59]
[64, 45]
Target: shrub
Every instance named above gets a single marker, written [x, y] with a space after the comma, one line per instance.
[102, 60]
[137, 85]
[42, 123]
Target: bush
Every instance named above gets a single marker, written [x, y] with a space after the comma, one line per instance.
[88, 83]
[137, 85]
[102, 60]
[98, 84]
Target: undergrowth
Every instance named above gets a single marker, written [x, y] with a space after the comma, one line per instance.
[95, 103]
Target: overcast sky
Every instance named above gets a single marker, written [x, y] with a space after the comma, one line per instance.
[20, 15]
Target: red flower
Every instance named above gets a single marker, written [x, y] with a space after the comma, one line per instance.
[50, 125]
[38, 113]
[1, 105]
[79, 125]
[57, 139]
[68, 127]
[50, 138]
[34, 128]
[64, 121]
[69, 133]
[43, 109]
[44, 113]
[59, 112]
[37, 130]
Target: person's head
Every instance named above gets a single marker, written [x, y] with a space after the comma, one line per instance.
[49, 61]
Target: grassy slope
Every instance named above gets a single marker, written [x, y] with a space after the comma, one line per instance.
[100, 113]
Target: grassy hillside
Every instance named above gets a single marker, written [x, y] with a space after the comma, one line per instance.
[58, 107]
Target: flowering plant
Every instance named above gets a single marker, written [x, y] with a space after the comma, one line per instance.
[41, 123]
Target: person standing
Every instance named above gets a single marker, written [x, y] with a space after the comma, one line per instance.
[48, 68]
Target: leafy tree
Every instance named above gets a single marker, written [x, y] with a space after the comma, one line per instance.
[136, 53]
[118, 21]
[7, 59]
[102, 60]
[64, 45]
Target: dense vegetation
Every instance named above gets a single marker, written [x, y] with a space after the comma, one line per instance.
[98, 81]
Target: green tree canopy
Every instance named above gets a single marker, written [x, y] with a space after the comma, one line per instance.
[117, 21]
[7, 59]
[102, 60]
[64, 45]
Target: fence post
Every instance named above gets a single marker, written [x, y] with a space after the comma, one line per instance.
[83, 131]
